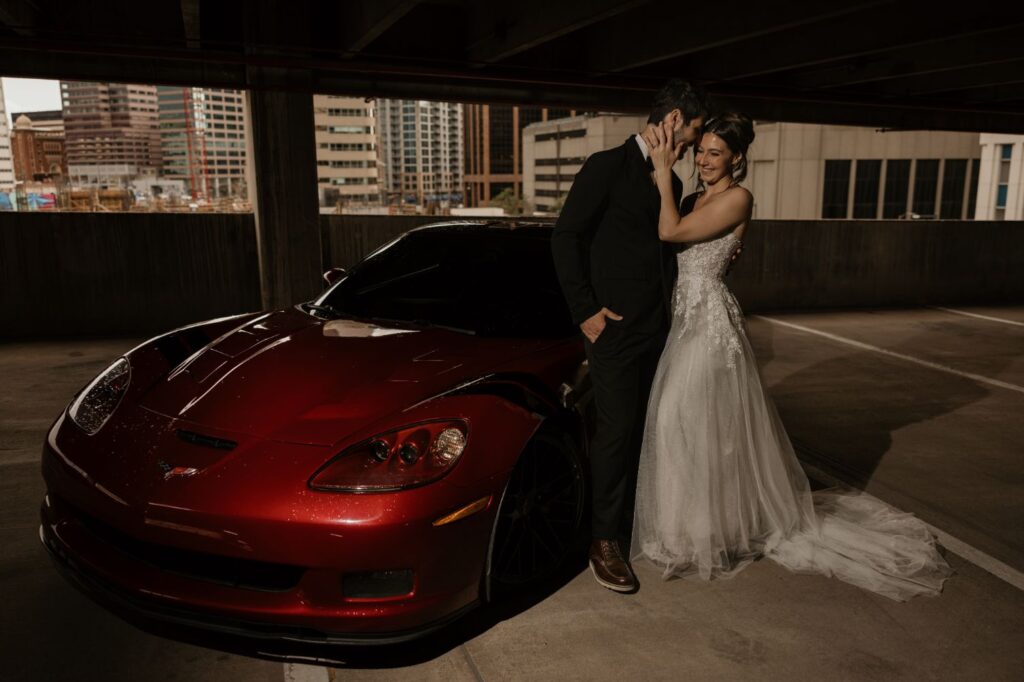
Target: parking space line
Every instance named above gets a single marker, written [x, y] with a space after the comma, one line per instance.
[977, 315]
[908, 358]
[985, 562]
[300, 672]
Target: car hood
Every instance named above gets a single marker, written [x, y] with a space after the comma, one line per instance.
[291, 377]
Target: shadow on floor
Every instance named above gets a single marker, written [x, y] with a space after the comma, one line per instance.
[843, 411]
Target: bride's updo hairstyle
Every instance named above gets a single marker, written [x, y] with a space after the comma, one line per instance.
[737, 131]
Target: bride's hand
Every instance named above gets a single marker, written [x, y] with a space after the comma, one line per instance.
[664, 154]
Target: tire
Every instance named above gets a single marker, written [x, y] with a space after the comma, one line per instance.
[540, 516]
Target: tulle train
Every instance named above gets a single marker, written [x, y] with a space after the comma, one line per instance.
[719, 484]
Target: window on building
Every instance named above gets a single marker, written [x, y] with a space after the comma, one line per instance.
[350, 129]
[562, 134]
[566, 161]
[926, 185]
[1001, 192]
[501, 139]
[836, 193]
[865, 189]
[499, 187]
[972, 195]
[954, 182]
[897, 188]
[1003, 182]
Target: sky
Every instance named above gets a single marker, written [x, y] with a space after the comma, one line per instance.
[30, 94]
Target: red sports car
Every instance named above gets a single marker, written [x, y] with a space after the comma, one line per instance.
[364, 467]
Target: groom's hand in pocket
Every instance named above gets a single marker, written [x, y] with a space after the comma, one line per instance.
[593, 326]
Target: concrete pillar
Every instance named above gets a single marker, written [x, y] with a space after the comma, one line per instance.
[282, 165]
[283, 192]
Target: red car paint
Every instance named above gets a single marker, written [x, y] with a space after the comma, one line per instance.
[289, 396]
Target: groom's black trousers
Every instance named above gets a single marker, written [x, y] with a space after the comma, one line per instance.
[622, 366]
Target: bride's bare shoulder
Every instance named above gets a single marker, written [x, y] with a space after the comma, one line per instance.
[738, 194]
[734, 196]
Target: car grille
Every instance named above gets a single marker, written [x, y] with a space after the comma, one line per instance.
[242, 573]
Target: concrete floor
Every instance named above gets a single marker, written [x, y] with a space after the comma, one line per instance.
[935, 429]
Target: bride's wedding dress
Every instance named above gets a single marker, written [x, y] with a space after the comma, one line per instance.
[719, 483]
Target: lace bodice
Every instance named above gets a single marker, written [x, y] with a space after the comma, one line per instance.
[703, 305]
[707, 259]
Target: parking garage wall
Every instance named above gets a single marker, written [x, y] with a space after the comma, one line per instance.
[814, 264]
[93, 274]
[104, 274]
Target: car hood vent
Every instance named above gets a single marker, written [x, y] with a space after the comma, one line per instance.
[206, 441]
[302, 386]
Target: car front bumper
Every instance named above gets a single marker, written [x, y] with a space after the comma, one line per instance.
[291, 569]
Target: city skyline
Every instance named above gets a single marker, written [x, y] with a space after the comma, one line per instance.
[942, 186]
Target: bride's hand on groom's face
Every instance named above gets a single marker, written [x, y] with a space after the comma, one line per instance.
[664, 153]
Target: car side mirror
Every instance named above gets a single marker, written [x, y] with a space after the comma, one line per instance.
[333, 275]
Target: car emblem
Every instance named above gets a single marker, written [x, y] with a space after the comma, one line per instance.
[173, 471]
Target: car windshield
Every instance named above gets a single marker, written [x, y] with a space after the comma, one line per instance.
[490, 281]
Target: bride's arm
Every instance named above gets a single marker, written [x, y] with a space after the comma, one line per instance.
[715, 217]
[725, 212]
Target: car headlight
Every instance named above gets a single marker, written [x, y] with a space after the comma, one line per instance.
[97, 401]
[401, 458]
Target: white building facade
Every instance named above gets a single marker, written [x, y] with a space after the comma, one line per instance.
[808, 172]
[6, 153]
[1001, 178]
[554, 151]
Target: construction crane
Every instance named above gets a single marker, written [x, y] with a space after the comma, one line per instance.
[190, 148]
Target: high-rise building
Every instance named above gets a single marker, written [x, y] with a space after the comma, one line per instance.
[420, 151]
[203, 139]
[493, 147]
[1000, 187]
[6, 155]
[38, 151]
[111, 131]
[346, 151]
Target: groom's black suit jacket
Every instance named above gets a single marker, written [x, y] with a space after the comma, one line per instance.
[606, 247]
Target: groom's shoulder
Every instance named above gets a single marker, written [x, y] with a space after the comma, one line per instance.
[607, 156]
[605, 161]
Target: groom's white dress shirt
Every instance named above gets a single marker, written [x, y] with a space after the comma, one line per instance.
[643, 145]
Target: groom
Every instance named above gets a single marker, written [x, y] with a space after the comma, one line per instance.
[617, 277]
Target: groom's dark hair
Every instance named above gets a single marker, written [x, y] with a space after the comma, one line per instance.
[688, 98]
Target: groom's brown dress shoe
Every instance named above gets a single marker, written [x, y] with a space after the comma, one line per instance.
[609, 568]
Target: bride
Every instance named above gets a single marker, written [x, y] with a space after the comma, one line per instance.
[719, 484]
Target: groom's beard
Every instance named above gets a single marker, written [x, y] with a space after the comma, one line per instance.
[676, 140]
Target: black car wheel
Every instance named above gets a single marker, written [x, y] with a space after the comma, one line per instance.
[539, 519]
